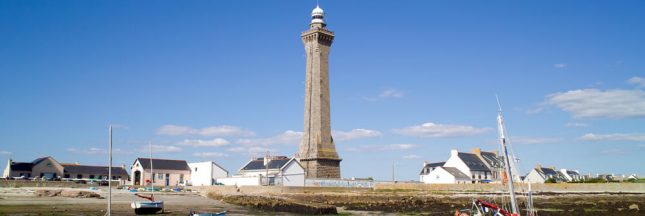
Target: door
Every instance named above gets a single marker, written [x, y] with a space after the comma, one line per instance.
[137, 177]
[167, 179]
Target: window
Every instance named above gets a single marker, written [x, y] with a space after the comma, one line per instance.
[114, 178]
[181, 178]
[91, 176]
[160, 176]
[195, 169]
[79, 176]
[66, 176]
[49, 164]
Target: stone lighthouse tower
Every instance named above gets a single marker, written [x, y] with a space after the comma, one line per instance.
[317, 149]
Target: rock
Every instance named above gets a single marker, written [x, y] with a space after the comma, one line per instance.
[47, 193]
[634, 207]
[79, 194]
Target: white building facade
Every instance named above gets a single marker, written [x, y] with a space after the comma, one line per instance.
[278, 170]
[206, 173]
[471, 165]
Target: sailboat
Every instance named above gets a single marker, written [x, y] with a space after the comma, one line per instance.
[487, 208]
[151, 206]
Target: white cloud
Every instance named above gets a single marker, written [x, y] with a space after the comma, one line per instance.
[222, 130]
[613, 151]
[589, 103]
[391, 93]
[5, 152]
[560, 65]
[576, 124]
[440, 130]
[535, 110]
[160, 148]
[389, 147]
[635, 137]
[411, 157]
[638, 81]
[210, 154]
[288, 137]
[96, 151]
[535, 140]
[355, 134]
[386, 94]
[253, 150]
[204, 143]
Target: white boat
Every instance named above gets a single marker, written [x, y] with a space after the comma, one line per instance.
[147, 207]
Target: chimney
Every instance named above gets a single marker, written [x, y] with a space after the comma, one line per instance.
[425, 163]
[477, 151]
[454, 152]
[552, 167]
[267, 159]
[10, 162]
[77, 163]
[538, 166]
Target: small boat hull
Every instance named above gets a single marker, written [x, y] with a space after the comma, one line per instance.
[209, 214]
[147, 207]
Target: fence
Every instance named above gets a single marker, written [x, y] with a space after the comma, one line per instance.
[339, 183]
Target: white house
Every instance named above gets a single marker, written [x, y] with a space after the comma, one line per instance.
[540, 174]
[424, 175]
[470, 164]
[570, 175]
[277, 170]
[447, 175]
[164, 172]
[206, 173]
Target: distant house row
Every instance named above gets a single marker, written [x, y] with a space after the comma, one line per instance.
[484, 167]
[276, 170]
[462, 168]
[48, 168]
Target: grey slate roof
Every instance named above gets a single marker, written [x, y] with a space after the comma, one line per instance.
[164, 164]
[491, 158]
[21, 166]
[258, 164]
[548, 171]
[473, 162]
[26, 166]
[455, 172]
[430, 165]
[99, 170]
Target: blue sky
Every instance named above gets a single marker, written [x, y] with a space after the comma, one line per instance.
[223, 81]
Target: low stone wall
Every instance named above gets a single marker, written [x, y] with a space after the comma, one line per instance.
[28, 183]
[555, 187]
[271, 190]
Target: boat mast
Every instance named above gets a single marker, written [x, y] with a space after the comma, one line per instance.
[109, 210]
[507, 163]
[152, 176]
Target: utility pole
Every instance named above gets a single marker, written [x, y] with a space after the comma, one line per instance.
[393, 178]
[109, 210]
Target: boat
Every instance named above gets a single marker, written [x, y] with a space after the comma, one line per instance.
[481, 207]
[151, 206]
[193, 213]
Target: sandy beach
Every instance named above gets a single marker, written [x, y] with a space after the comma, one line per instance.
[18, 201]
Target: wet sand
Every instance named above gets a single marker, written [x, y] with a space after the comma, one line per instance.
[22, 201]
